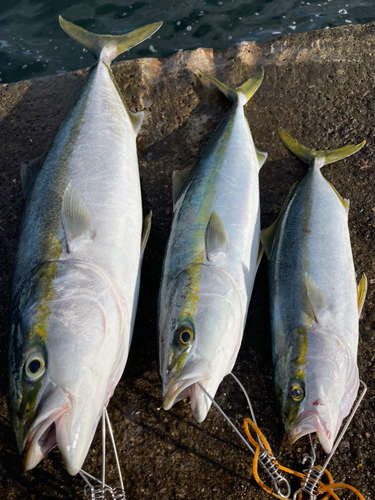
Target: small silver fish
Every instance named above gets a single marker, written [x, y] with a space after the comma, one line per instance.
[76, 275]
[211, 259]
[314, 302]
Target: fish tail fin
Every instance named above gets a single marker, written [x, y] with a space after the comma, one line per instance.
[242, 93]
[318, 158]
[108, 47]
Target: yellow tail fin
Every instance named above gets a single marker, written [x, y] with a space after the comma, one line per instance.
[244, 92]
[107, 47]
[309, 155]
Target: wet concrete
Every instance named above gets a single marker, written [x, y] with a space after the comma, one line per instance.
[318, 86]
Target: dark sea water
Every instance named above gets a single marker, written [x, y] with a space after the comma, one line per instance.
[33, 44]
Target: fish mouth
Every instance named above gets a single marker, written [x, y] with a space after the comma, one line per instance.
[42, 434]
[42, 439]
[186, 383]
[310, 421]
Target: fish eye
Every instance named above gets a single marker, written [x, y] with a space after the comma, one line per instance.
[297, 393]
[35, 366]
[185, 336]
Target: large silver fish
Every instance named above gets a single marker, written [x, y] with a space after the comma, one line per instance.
[314, 302]
[76, 276]
[211, 259]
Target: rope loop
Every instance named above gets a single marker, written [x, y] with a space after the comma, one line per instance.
[308, 478]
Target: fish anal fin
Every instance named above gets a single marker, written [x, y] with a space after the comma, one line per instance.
[178, 181]
[317, 299]
[216, 237]
[262, 157]
[29, 172]
[146, 231]
[76, 219]
[362, 291]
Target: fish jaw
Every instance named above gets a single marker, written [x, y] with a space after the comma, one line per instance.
[62, 420]
[41, 436]
[309, 422]
[182, 385]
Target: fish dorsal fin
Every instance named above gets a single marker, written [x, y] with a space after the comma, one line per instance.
[146, 231]
[178, 180]
[108, 47]
[262, 157]
[268, 235]
[76, 219]
[29, 172]
[318, 158]
[362, 290]
[344, 201]
[216, 237]
[317, 299]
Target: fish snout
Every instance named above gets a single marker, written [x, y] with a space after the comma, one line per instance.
[313, 420]
[38, 438]
[180, 385]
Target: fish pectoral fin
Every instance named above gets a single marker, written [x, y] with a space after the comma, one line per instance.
[146, 232]
[76, 219]
[362, 291]
[29, 172]
[317, 299]
[216, 237]
[178, 181]
[262, 157]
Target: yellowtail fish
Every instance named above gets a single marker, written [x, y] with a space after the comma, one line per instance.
[211, 259]
[76, 276]
[314, 302]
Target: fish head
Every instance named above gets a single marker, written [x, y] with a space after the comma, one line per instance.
[200, 331]
[61, 365]
[316, 383]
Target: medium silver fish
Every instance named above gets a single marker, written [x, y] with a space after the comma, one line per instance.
[314, 302]
[76, 276]
[211, 259]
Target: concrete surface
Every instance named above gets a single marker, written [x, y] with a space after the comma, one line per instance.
[319, 87]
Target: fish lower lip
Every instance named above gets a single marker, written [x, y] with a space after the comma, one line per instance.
[179, 390]
[307, 423]
[42, 439]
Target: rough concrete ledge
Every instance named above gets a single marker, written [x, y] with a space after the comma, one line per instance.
[318, 86]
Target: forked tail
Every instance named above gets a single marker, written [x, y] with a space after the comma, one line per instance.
[108, 47]
[243, 93]
[310, 155]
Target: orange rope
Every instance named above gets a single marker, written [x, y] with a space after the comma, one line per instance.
[335, 486]
[324, 488]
